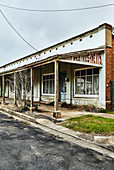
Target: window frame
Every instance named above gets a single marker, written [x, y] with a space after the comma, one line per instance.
[85, 95]
[47, 94]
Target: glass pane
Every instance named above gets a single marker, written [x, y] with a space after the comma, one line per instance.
[48, 84]
[77, 73]
[51, 86]
[96, 71]
[83, 85]
[43, 78]
[50, 77]
[77, 85]
[83, 72]
[96, 85]
[53, 89]
[89, 72]
[44, 87]
[47, 76]
[89, 85]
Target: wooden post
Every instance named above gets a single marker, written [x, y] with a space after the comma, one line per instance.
[15, 102]
[56, 84]
[56, 113]
[3, 87]
[31, 102]
[24, 88]
[8, 89]
[40, 82]
[71, 84]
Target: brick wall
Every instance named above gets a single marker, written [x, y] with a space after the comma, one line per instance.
[113, 66]
[109, 72]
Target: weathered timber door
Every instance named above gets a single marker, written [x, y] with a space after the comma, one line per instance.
[62, 86]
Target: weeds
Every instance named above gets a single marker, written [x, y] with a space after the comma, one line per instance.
[26, 123]
[90, 124]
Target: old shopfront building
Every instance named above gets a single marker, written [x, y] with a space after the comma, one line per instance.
[76, 71]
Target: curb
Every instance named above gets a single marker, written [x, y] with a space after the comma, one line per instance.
[59, 131]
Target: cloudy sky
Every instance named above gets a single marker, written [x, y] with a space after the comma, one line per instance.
[44, 29]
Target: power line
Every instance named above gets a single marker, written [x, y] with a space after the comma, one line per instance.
[57, 10]
[17, 31]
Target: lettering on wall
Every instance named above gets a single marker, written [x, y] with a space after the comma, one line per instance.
[89, 58]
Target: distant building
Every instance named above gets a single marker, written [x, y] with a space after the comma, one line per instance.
[76, 71]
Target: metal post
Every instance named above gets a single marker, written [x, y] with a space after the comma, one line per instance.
[111, 94]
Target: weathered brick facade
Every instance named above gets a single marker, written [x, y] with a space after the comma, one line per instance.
[109, 68]
[113, 65]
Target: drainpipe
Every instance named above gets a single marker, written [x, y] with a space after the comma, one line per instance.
[111, 94]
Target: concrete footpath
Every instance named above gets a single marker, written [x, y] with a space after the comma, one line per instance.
[66, 134]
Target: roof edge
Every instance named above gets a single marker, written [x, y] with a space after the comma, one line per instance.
[104, 25]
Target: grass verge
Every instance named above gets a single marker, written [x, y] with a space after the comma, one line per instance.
[90, 124]
[105, 111]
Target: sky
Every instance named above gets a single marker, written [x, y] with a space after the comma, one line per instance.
[42, 30]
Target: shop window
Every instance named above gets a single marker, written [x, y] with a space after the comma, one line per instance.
[87, 82]
[48, 84]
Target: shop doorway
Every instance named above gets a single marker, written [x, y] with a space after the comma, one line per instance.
[62, 85]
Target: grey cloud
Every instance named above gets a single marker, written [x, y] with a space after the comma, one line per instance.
[45, 29]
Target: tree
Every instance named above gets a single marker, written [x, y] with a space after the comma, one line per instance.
[20, 85]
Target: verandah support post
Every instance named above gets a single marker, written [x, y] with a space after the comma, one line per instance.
[56, 84]
[3, 87]
[31, 102]
[71, 77]
[15, 102]
[56, 113]
[40, 83]
[24, 87]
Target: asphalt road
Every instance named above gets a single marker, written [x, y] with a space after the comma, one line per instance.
[26, 148]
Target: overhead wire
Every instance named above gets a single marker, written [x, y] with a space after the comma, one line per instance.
[58, 10]
[46, 10]
[17, 32]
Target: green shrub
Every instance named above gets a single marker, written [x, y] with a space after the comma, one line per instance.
[103, 111]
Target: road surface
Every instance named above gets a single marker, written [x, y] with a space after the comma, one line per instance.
[26, 148]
